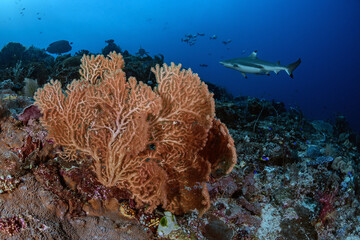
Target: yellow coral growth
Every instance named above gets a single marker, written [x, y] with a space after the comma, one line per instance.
[149, 142]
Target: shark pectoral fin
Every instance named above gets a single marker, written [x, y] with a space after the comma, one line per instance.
[253, 54]
[276, 71]
[244, 75]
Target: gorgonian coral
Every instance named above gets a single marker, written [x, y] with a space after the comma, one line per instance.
[161, 144]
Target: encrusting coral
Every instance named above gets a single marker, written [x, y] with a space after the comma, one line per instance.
[161, 145]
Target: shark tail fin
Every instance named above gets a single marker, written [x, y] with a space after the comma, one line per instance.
[291, 67]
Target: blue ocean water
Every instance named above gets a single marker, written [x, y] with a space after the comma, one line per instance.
[325, 34]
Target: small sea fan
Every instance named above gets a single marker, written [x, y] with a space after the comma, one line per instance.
[30, 87]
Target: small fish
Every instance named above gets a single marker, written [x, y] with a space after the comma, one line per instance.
[204, 65]
[110, 41]
[59, 47]
[190, 36]
[10, 97]
[185, 39]
[213, 37]
[201, 34]
[227, 41]
[39, 18]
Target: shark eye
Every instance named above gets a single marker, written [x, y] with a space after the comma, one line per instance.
[235, 65]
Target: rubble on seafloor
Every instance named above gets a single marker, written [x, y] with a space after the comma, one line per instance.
[294, 179]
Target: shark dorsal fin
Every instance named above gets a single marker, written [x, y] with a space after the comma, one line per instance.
[253, 54]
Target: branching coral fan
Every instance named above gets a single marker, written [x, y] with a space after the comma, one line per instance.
[161, 145]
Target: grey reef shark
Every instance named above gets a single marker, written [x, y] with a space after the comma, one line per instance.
[252, 64]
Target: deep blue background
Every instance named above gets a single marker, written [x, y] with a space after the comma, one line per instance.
[324, 33]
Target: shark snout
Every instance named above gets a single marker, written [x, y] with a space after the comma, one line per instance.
[225, 64]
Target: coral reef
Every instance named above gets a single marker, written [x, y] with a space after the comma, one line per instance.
[18, 62]
[294, 179]
[110, 47]
[11, 53]
[272, 193]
